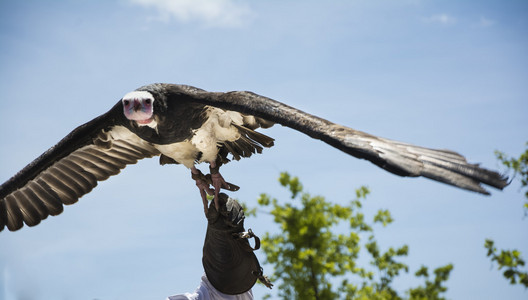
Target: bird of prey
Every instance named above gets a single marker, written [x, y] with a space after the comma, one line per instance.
[186, 125]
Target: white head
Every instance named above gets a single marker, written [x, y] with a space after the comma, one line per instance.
[139, 106]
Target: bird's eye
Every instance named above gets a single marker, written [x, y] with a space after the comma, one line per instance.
[148, 101]
[126, 102]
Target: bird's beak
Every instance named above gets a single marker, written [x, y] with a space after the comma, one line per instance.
[137, 105]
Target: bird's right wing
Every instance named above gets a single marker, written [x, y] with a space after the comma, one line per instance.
[67, 171]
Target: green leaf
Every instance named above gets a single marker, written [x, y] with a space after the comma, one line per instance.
[315, 247]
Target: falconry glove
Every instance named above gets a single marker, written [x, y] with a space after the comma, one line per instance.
[228, 258]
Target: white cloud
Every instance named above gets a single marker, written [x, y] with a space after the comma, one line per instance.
[215, 13]
[485, 22]
[444, 19]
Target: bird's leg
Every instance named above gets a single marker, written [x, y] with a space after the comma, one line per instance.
[203, 185]
[218, 181]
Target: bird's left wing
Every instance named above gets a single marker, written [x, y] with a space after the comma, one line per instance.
[92, 152]
[396, 157]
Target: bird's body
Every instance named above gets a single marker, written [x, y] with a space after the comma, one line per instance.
[187, 125]
[189, 132]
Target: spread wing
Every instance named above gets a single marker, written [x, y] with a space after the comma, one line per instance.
[396, 157]
[89, 154]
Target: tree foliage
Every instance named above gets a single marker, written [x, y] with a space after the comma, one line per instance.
[511, 260]
[520, 167]
[315, 254]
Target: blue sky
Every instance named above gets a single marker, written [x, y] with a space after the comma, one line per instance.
[441, 74]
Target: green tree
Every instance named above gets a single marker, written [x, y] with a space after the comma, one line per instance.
[432, 289]
[519, 166]
[511, 260]
[314, 257]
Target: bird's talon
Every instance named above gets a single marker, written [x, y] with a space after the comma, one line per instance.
[214, 179]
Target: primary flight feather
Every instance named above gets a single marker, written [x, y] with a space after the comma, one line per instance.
[186, 125]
